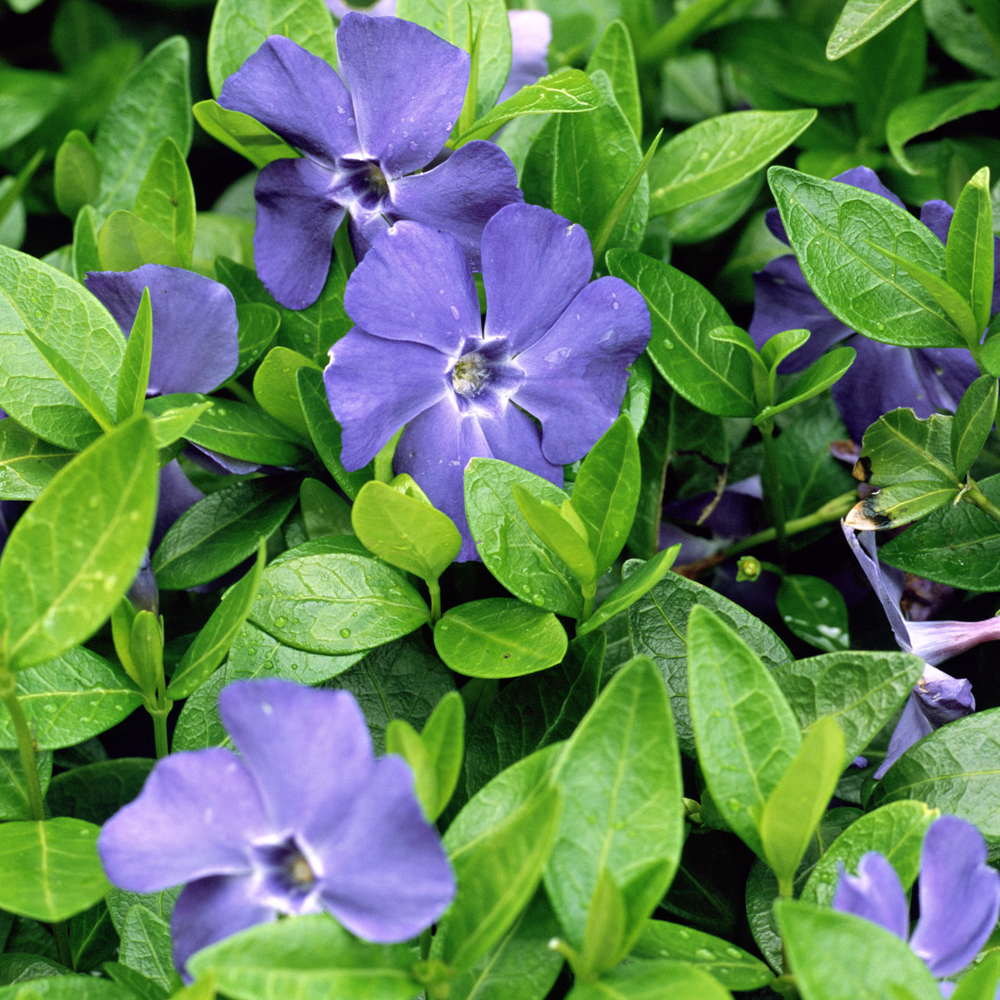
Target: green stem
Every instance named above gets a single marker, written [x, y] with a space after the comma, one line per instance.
[974, 495]
[160, 731]
[588, 604]
[63, 949]
[25, 744]
[434, 589]
[773, 495]
[832, 510]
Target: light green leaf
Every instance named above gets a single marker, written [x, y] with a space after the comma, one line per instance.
[651, 981]
[133, 380]
[637, 584]
[77, 180]
[969, 251]
[276, 389]
[819, 376]
[861, 20]
[973, 421]
[242, 133]
[559, 529]
[613, 55]
[27, 464]
[166, 199]
[128, 241]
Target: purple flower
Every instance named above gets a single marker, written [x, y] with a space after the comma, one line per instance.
[304, 819]
[959, 896]
[362, 136]
[552, 346]
[938, 697]
[884, 377]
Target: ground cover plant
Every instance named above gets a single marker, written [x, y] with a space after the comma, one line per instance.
[499, 504]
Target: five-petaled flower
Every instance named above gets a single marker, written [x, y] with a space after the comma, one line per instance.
[553, 346]
[363, 134]
[959, 897]
[305, 819]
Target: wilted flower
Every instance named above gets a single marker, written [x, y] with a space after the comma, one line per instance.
[883, 377]
[304, 819]
[553, 346]
[959, 896]
[362, 135]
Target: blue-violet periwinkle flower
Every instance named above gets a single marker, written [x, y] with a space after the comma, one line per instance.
[938, 697]
[553, 346]
[959, 896]
[883, 377]
[304, 819]
[363, 134]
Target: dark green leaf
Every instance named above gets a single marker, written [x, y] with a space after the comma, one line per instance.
[815, 611]
[242, 431]
[29, 96]
[969, 250]
[77, 179]
[614, 56]
[14, 798]
[27, 464]
[95, 792]
[973, 421]
[276, 389]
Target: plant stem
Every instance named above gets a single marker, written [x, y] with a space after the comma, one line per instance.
[974, 495]
[25, 743]
[434, 589]
[773, 496]
[159, 716]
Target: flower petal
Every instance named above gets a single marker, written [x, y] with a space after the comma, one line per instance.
[530, 35]
[912, 726]
[296, 95]
[534, 264]
[308, 750]
[296, 220]
[516, 439]
[460, 195]
[376, 386]
[195, 341]
[408, 86]
[935, 641]
[195, 816]
[946, 372]
[959, 896]
[385, 874]
[875, 893]
[886, 581]
[177, 494]
[943, 698]
[209, 910]
[575, 374]
[415, 285]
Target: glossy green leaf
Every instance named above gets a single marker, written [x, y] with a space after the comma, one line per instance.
[719, 153]
[815, 611]
[745, 730]
[499, 637]
[145, 947]
[29, 96]
[860, 690]
[973, 421]
[712, 374]
[95, 792]
[980, 981]
[309, 958]
[128, 241]
[508, 547]
[839, 233]
[953, 769]
[27, 464]
[817, 378]
[85, 232]
[14, 796]
[324, 511]
[909, 460]
[51, 868]
[242, 134]
[406, 532]
[239, 28]
[57, 588]
[77, 180]
[969, 251]
[153, 104]
[276, 389]
[934, 108]
[219, 532]
[620, 776]
[166, 198]
[560, 530]
[861, 20]
[63, 987]
[651, 980]
[133, 379]
[170, 425]
[968, 32]
[212, 643]
[336, 603]
[613, 55]
[817, 942]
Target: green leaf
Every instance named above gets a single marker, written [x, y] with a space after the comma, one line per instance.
[953, 769]
[497, 874]
[745, 730]
[638, 583]
[171, 424]
[51, 868]
[815, 611]
[614, 56]
[718, 154]
[258, 324]
[969, 250]
[309, 958]
[15, 802]
[795, 805]
[817, 942]
[212, 643]
[406, 532]
[86, 228]
[77, 180]
[818, 377]
[651, 981]
[861, 20]
[324, 511]
[166, 198]
[508, 547]
[154, 103]
[567, 91]
[57, 588]
[839, 233]
[276, 389]
[980, 981]
[133, 379]
[240, 27]
[657, 626]
[325, 431]
[909, 460]
[128, 241]
[145, 947]
[242, 134]
[934, 108]
[620, 777]
[499, 637]
[65, 987]
[336, 603]
[29, 97]
[895, 830]
[778, 347]
[733, 967]
[95, 792]
[956, 545]
[219, 532]
[967, 32]
[973, 421]
[712, 374]
[559, 529]
[27, 464]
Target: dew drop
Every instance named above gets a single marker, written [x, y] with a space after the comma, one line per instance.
[733, 953]
[454, 311]
[345, 633]
[614, 305]
[705, 954]
[281, 621]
